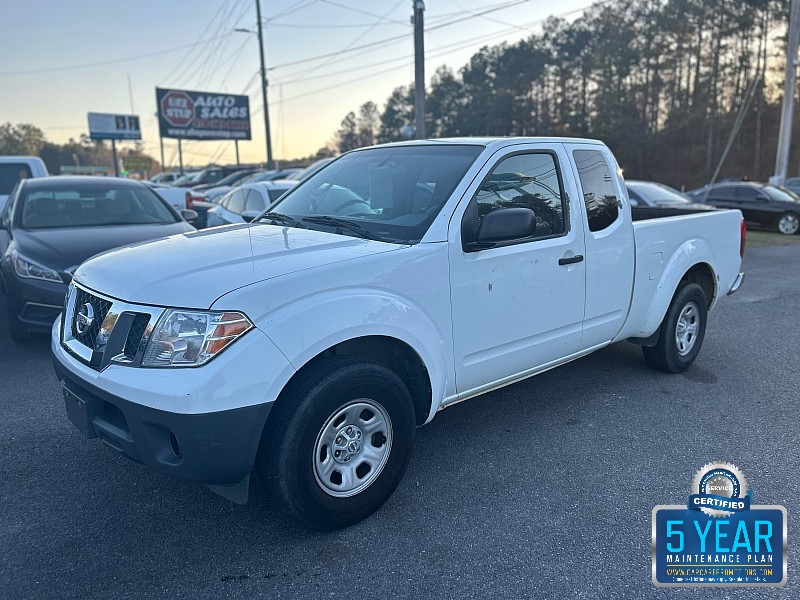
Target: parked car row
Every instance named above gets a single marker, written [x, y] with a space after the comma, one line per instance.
[763, 205]
[51, 225]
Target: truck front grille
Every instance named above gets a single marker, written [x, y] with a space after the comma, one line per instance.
[100, 331]
[88, 305]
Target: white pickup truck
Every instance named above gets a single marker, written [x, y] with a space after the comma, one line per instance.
[397, 281]
[14, 168]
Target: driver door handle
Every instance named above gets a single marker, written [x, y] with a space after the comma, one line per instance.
[571, 260]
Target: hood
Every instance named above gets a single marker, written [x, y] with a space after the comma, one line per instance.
[193, 270]
[65, 248]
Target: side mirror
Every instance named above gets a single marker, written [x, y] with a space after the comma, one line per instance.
[762, 198]
[505, 224]
[188, 214]
[249, 215]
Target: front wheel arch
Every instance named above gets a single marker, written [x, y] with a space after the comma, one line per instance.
[288, 452]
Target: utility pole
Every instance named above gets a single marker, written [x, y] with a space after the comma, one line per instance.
[419, 69]
[787, 111]
[264, 83]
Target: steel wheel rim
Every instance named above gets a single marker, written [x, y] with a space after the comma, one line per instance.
[687, 328]
[352, 448]
[789, 224]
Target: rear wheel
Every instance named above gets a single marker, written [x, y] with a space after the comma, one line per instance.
[338, 443]
[682, 331]
[789, 223]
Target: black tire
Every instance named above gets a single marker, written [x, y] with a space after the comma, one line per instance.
[287, 456]
[788, 223]
[666, 355]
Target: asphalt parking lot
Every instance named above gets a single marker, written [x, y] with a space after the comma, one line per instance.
[543, 489]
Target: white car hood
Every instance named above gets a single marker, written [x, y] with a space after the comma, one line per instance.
[194, 269]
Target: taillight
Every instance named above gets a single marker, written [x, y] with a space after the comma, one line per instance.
[741, 239]
[189, 200]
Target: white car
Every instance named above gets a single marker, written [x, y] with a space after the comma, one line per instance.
[165, 177]
[243, 203]
[15, 168]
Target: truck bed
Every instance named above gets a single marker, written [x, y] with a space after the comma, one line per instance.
[707, 237]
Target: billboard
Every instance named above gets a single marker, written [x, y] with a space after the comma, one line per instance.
[103, 126]
[202, 115]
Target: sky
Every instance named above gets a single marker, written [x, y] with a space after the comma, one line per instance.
[62, 60]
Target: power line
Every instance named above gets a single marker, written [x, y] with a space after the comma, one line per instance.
[200, 38]
[103, 62]
[367, 13]
[292, 9]
[397, 38]
[350, 45]
[332, 26]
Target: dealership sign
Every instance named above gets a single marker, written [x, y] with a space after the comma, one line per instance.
[202, 116]
[103, 126]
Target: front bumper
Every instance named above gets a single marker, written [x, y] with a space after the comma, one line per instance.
[35, 303]
[163, 417]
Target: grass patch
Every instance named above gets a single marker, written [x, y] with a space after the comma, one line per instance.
[759, 239]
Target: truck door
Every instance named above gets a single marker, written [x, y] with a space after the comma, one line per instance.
[516, 304]
[610, 247]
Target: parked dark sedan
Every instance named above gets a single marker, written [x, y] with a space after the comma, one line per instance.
[763, 206]
[657, 195]
[50, 225]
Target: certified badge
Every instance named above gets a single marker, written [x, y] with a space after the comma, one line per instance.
[719, 537]
[719, 489]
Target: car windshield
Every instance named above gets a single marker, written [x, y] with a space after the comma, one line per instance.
[393, 193]
[67, 204]
[311, 169]
[659, 194]
[233, 178]
[781, 194]
[186, 179]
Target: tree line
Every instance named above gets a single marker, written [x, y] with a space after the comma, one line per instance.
[660, 81]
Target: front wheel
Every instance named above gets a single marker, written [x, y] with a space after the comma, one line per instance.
[682, 331]
[338, 443]
[789, 224]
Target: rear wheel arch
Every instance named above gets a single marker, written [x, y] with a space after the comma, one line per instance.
[703, 275]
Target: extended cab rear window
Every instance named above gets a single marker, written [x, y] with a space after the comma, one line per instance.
[597, 183]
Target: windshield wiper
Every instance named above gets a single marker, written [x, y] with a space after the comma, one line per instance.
[344, 224]
[279, 218]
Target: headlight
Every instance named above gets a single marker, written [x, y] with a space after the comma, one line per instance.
[29, 269]
[188, 338]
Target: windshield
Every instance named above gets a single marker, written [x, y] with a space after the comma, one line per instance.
[394, 193]
[781, 194]
[658, 193]
[233, 178]
[185, 179]
[79, 205]
[311, 169]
